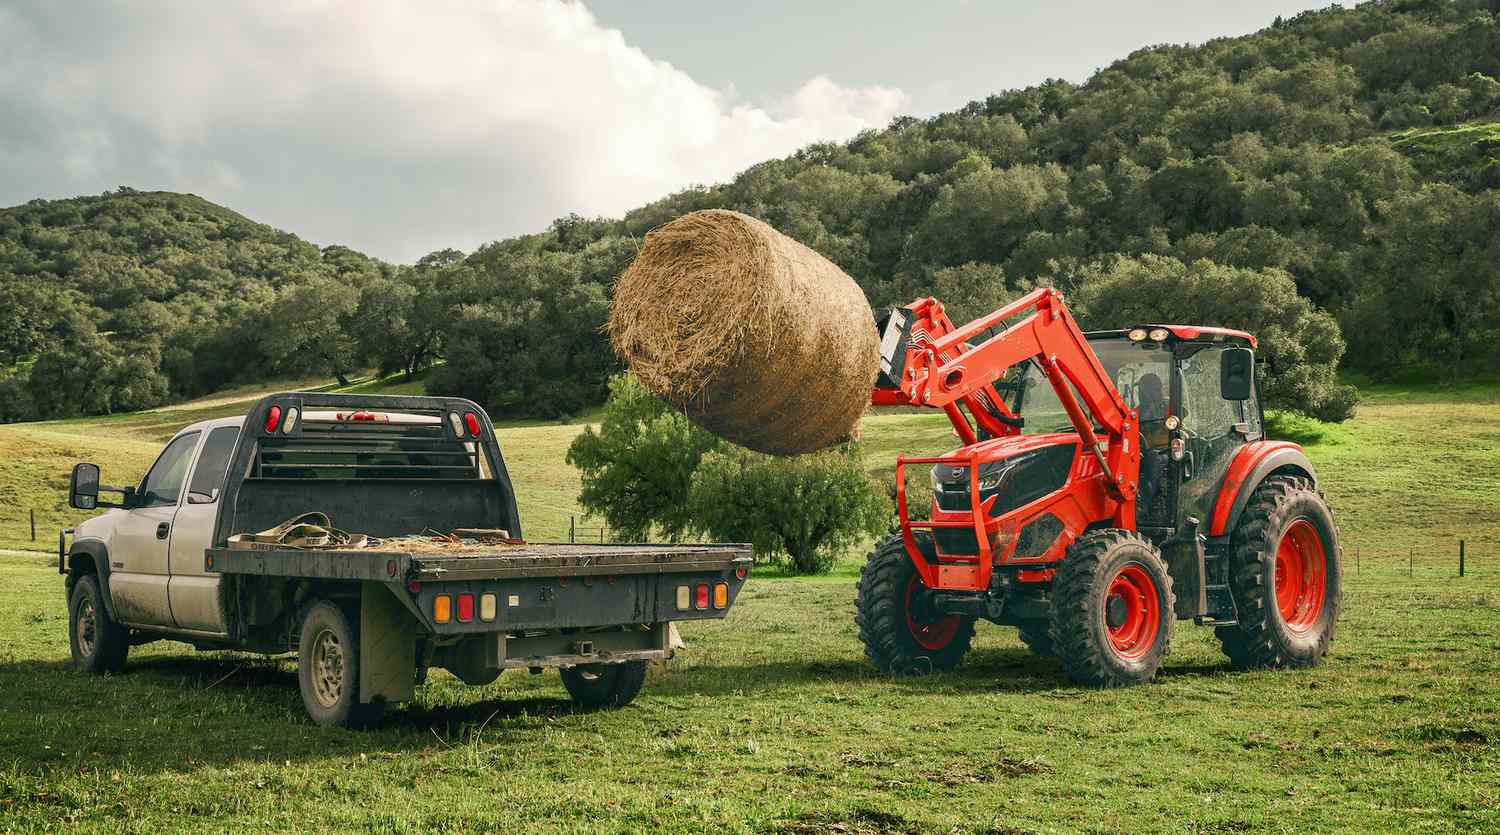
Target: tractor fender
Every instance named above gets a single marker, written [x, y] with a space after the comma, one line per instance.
[91, 556]
[1251, 465]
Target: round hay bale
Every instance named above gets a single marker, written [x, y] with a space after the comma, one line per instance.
[753, 335]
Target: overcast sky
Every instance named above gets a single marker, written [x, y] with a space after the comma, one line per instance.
[401, 128]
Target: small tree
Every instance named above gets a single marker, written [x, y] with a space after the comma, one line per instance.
[807, 507]
[637, 467]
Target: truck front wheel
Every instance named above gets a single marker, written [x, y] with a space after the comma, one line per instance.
[328, 668]
[596, 686]
[99, 643]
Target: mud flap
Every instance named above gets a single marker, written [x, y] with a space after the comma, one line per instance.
[387, 646]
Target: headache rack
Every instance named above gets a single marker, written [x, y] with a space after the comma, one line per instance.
[364, 444]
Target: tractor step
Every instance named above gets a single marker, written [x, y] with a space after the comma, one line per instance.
[1221, 609]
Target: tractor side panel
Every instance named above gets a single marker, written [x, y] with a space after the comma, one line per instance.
[1254, 462]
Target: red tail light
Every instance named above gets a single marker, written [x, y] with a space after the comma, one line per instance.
[700, 597]
[471, 420]
[273, 418]
[465, 607]
[741, 573]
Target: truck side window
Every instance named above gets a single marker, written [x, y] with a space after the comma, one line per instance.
[213, 463]
[163, 485]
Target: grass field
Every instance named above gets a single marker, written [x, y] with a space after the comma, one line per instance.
[771, 720]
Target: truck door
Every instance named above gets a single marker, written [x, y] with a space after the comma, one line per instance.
[193, 592]
[138, 548]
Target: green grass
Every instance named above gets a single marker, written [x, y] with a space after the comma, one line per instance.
[1471, 149]
[772, 720]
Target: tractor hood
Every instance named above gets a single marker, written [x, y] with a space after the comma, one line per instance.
[1018, 470]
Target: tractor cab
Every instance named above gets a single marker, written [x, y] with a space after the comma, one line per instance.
[1193, 390]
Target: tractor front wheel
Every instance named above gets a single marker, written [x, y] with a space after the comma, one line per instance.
[1285, 576]
[902, 633]
[1112, 609]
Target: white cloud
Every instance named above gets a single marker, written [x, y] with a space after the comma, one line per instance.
[396, 128]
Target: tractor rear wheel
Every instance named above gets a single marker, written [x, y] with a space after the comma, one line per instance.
[1285, 576]
[1112, 609]
[902, 633]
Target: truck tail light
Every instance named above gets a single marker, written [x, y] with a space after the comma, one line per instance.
[456, 423]
[291, 421]
[684, 598]
[465, 607]
[487, 607]
[741, 573]
[442, 609]
[273, 418]
[721, 595]
[471, 421]
[701, 598]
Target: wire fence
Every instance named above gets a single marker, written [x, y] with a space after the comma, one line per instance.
[1459, 559]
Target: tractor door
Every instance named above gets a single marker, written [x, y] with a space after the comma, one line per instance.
[1213, 427]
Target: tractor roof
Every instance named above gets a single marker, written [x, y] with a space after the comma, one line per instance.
[1188, 333]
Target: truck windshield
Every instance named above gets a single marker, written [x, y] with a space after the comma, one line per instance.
[1140, 370]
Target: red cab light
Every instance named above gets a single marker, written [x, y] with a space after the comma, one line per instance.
[700, 597]
[273, 418]
[465, 607]
[471, 421]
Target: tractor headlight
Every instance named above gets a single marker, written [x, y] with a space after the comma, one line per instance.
[992, 475]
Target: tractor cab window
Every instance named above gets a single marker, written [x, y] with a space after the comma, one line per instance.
[1208, 426]
[1140, 370]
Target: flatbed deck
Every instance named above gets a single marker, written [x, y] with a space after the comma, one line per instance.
[544, 559]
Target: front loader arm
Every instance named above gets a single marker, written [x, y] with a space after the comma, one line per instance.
[938, 367]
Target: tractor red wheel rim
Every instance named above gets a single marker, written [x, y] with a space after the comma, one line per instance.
[1301, 576]
[932, 632]
[1133, 598]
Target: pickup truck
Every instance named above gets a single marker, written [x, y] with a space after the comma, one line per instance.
[178, 558]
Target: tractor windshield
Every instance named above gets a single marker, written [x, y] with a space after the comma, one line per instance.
[1140, 370]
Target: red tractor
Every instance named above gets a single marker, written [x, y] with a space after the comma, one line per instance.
[1108, 484]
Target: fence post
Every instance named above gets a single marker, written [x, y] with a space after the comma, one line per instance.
[1356, 559]
[33, 534]
[1411, 558]
[572, 528]
[1460, 555]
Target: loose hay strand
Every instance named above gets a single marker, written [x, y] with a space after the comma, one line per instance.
[747, 331]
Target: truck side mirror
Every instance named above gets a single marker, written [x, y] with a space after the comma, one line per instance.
[1236, 373]
[83, 487]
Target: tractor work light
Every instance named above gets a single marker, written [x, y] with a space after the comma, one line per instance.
[471, 420]
[273, 418]
[1137, 334]
[721, 595]
[1172, 422]
[291, 421]
[1159, 334]
[465, 607]
[1179, 449]
[487, 606]
[442, 609]
[700, 598]
[684, 598]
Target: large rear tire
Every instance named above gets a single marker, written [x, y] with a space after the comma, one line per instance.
[901, 633]
[1286, 577]
[600, 686]
[328, 668]
[1112, 609]
[99, 644]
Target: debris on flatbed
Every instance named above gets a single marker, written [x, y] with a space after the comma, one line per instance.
[314, 531]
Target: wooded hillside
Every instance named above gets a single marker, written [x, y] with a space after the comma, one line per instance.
[1339, 169]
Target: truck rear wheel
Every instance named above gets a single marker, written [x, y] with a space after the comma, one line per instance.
[902, 633]
[1285, 576]
[597, 686]
[1112, 609]
[328, 668]
[99, 644]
